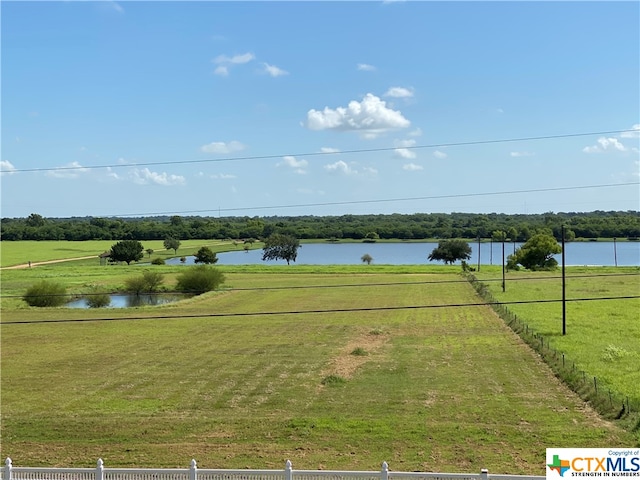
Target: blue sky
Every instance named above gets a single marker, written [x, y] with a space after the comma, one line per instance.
[318, 108]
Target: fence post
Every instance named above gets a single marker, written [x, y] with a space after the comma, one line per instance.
[384, 474]
[484, 474]
[288, 471]
[100, 470]
[7, 469]
[193, 470]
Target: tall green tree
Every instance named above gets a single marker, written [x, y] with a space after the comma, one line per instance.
[279, 246]
[171, 243]
[449, 251]
[127, 251]
[205, 255]
[536, 254]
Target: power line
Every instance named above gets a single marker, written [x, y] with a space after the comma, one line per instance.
[361, 202]
[310, 154]
[306, 312]
[341, 285]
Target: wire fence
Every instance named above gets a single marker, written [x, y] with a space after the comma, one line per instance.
[609, 403]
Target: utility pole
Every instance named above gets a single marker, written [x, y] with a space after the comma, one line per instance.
[564, 285]
[478, 252]
[504, 287]
[615, 252]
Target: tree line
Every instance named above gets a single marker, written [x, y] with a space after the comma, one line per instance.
[521, 227]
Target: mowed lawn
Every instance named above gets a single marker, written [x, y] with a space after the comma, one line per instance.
[22, 252]
[234, 379]
[602, 336]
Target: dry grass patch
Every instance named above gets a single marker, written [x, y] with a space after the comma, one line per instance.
[345, 363]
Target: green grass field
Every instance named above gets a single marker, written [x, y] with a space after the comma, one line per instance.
[602, 336]
[238, 379]
[19, 253]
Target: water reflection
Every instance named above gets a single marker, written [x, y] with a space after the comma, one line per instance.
[129, 300]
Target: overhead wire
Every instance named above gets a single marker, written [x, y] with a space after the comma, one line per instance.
[343, 285]
[387, 200]
[309, 154]
[306, 312]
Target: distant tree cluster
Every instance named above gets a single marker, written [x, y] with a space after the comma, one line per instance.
[598, 224]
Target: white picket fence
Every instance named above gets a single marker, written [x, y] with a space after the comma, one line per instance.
[100, 472]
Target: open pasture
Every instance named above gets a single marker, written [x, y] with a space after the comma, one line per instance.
[244, 378]
[20, 253]
[602, 336]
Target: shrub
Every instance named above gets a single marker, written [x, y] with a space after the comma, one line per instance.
[152, 280]
[46, 294]
[146, 283]
[98, 299]
[200, 279]
[158, 261]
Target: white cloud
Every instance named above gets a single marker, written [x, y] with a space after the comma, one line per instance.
[412, 167]
[110, 6]
[410, 142]
[365, 67]
[236, 59]
[145, 176]
[222, 147]
[310, 191]
[329, 150]
[521, 154]
[70, 170]
[370, 117]
[222, 176]
[634, 133]
[221, 70]
[605, 144]
[224, 62]
[112, 174]
[343, 168]
[439, 154]
[404, 153]
[402, 149]
[298, 165]
[399, 92]
[415, 133]
[7, 167]
[273, 70]
[340, 167]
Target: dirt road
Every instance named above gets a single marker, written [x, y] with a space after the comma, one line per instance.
[35, 264]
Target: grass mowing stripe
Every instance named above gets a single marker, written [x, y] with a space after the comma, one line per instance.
[303, 312]
[448, 389]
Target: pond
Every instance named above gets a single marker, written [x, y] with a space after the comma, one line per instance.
[129, 300]
[404, 253]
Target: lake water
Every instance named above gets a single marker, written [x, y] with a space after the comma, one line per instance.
[577, 253]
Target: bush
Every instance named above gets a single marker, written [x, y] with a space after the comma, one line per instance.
[148, 282]
[98, 300]
[200, 279]
[158, 261]
[46, 294]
